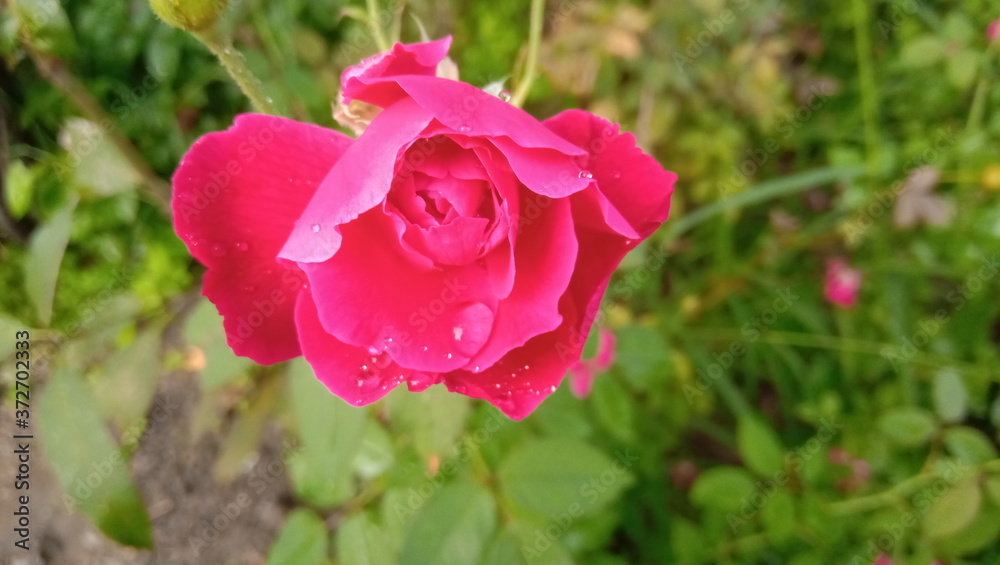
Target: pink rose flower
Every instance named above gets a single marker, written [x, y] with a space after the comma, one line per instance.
[993, 30]
[457, 240]
[582, 373]
[842, 283]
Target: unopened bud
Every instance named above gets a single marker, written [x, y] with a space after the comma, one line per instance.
[189, 15]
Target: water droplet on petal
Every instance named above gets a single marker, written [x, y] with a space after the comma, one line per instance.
[360, 383]
[372, 350]
[449, 356]
[504, 95]
[464, 129]
[315, 228]
[457, 331]
[616, 174]
[552, 388]
[241, 246]
[586, 174]
[476, 369]
[218, 249]
[424, 348]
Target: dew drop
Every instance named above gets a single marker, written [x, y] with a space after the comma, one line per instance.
[476, 369]
[616, 174]
[504, 95]
[448, 356]
[424, 348]
[552, 388]
[464, 129]
[372, 350]
[496, 386]
[360, 383]
[584, 174]
[315, 228]
[218, 249]
[241, 246]
[457, 331]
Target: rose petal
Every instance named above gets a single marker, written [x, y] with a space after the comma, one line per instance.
[359, 181]
[635, 188]
[544, 261]
[350, 372]
[237, 194]
[402, 59]
[369, 295]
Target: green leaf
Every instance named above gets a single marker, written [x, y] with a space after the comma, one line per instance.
[89, 465]
[759, 446]
[992, 487]
[302, 541]
[453, 527]
[951, 398]
[19, 189]
[41, 267]
[722, 488]
[331, 432]
[955, 509]
[983, 532]
[969, 444]
[360, 541]
[778, 515]
[907, 426]
[923, 51]
[688, 542]
[435, 418]
[962, 68]
[641, 351]
[546, 477]
[614, 408]
[204, 331]
[505, 549]
[99, 169]
[124, 387]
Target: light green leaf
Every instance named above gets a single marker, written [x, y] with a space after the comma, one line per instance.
[125, 385]
[951, 398]
[302, 541]
[545, 477]
[89, 465]
[360, 541]
[983, 532]
[453, 527]
[98, 168]
[331, 433]
[778, 515]
[907, 426]
[204, 331]
[955, 509]
[41, 267]
[759, 446]
[722, 488]
[969, 444]
[434, 419]
[923, 51]
[18, 189]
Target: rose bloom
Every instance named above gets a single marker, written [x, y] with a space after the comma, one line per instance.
[842, 283]
[457, 240]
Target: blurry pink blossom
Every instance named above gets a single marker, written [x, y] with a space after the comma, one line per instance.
[842, 283]
[882, 559]
[581, 375]
[993, 31]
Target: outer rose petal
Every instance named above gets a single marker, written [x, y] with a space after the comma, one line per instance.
[402, 59]
[237, 194]
[635, 188]
[360, 182]
[349, 372]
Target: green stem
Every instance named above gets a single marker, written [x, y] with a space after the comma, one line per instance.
[869, 91]
[759, 193]
[377, 32]
[978, 107]
[534, 42]
[234, 64]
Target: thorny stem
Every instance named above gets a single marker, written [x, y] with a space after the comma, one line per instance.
[234, 64]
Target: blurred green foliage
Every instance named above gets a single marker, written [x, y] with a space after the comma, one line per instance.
[747, 420]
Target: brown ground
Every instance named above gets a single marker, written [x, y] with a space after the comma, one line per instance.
[173, 472]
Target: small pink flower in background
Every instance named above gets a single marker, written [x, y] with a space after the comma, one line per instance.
[842, 283]
[993, 30]
[882, 559]
[581, 375]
